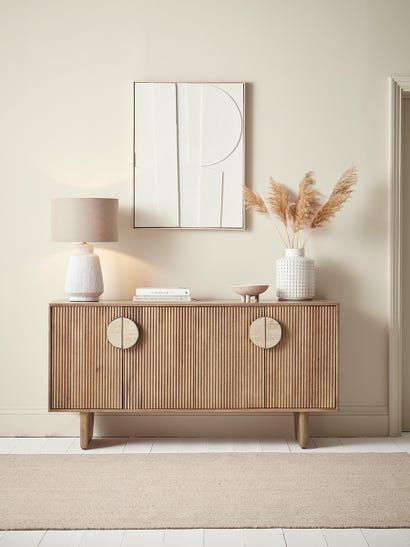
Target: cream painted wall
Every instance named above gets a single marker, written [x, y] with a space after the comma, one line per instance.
[317, 99]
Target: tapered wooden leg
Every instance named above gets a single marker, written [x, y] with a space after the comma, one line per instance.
[302, 428]
[296, 424]
[86, 429]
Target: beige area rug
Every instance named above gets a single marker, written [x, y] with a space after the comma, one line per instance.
[204, 491]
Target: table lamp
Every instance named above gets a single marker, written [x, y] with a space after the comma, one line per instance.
[83, 220]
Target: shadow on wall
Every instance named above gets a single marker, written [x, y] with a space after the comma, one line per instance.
[249, 140]
[362, 336]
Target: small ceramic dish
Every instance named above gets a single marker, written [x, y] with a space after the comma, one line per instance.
[248, 292]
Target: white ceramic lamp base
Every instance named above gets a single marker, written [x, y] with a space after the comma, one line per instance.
[84, 281]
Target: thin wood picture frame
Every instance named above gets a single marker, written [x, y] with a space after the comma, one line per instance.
[239, 214]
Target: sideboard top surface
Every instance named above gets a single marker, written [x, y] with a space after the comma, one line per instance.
[199, 303]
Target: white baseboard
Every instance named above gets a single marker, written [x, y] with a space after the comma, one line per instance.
[350, 421]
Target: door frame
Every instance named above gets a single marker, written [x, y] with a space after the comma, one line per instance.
[398, 86]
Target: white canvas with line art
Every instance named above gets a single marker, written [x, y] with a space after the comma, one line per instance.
[189, 155]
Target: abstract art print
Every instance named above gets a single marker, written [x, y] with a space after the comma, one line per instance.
[189, 155]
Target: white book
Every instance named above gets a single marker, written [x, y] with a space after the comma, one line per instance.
[154, 291]
[147, 298]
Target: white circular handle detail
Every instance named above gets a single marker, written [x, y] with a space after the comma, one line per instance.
[122, 333]
[265, 332]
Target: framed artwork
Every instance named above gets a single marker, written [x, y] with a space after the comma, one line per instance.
[189, 155]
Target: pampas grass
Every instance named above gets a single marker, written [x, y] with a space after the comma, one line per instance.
[279, 201]
[254, 201]
[341, 192]
[308, 202]
[307, 212]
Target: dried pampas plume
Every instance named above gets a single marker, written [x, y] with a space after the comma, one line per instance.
[341, 192]
[308, 202]
[254, 202]
[307, 212]
[279, 201]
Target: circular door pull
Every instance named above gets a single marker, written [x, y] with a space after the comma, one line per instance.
[265, 332]
[122, 333]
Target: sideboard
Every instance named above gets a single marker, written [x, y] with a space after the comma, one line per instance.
[197, 356]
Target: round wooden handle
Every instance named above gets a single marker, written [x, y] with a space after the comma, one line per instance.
[265, 332]
[122, 333]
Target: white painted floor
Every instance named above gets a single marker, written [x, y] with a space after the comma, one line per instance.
[205, 538]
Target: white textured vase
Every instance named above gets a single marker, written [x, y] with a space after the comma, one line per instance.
[295, 276]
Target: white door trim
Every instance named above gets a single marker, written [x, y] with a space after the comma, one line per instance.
[398, 86]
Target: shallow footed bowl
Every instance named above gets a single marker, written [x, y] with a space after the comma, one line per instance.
[249, 290]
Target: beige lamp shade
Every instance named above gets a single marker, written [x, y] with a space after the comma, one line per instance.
[84, 219]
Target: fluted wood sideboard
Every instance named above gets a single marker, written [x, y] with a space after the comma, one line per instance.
[197, 356]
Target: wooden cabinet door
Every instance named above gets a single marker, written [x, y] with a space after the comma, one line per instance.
[193, 357]
[302, 370]
[230, 371]
[85, 369]
[159, 369]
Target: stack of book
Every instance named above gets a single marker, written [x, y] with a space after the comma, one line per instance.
[153, 294]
